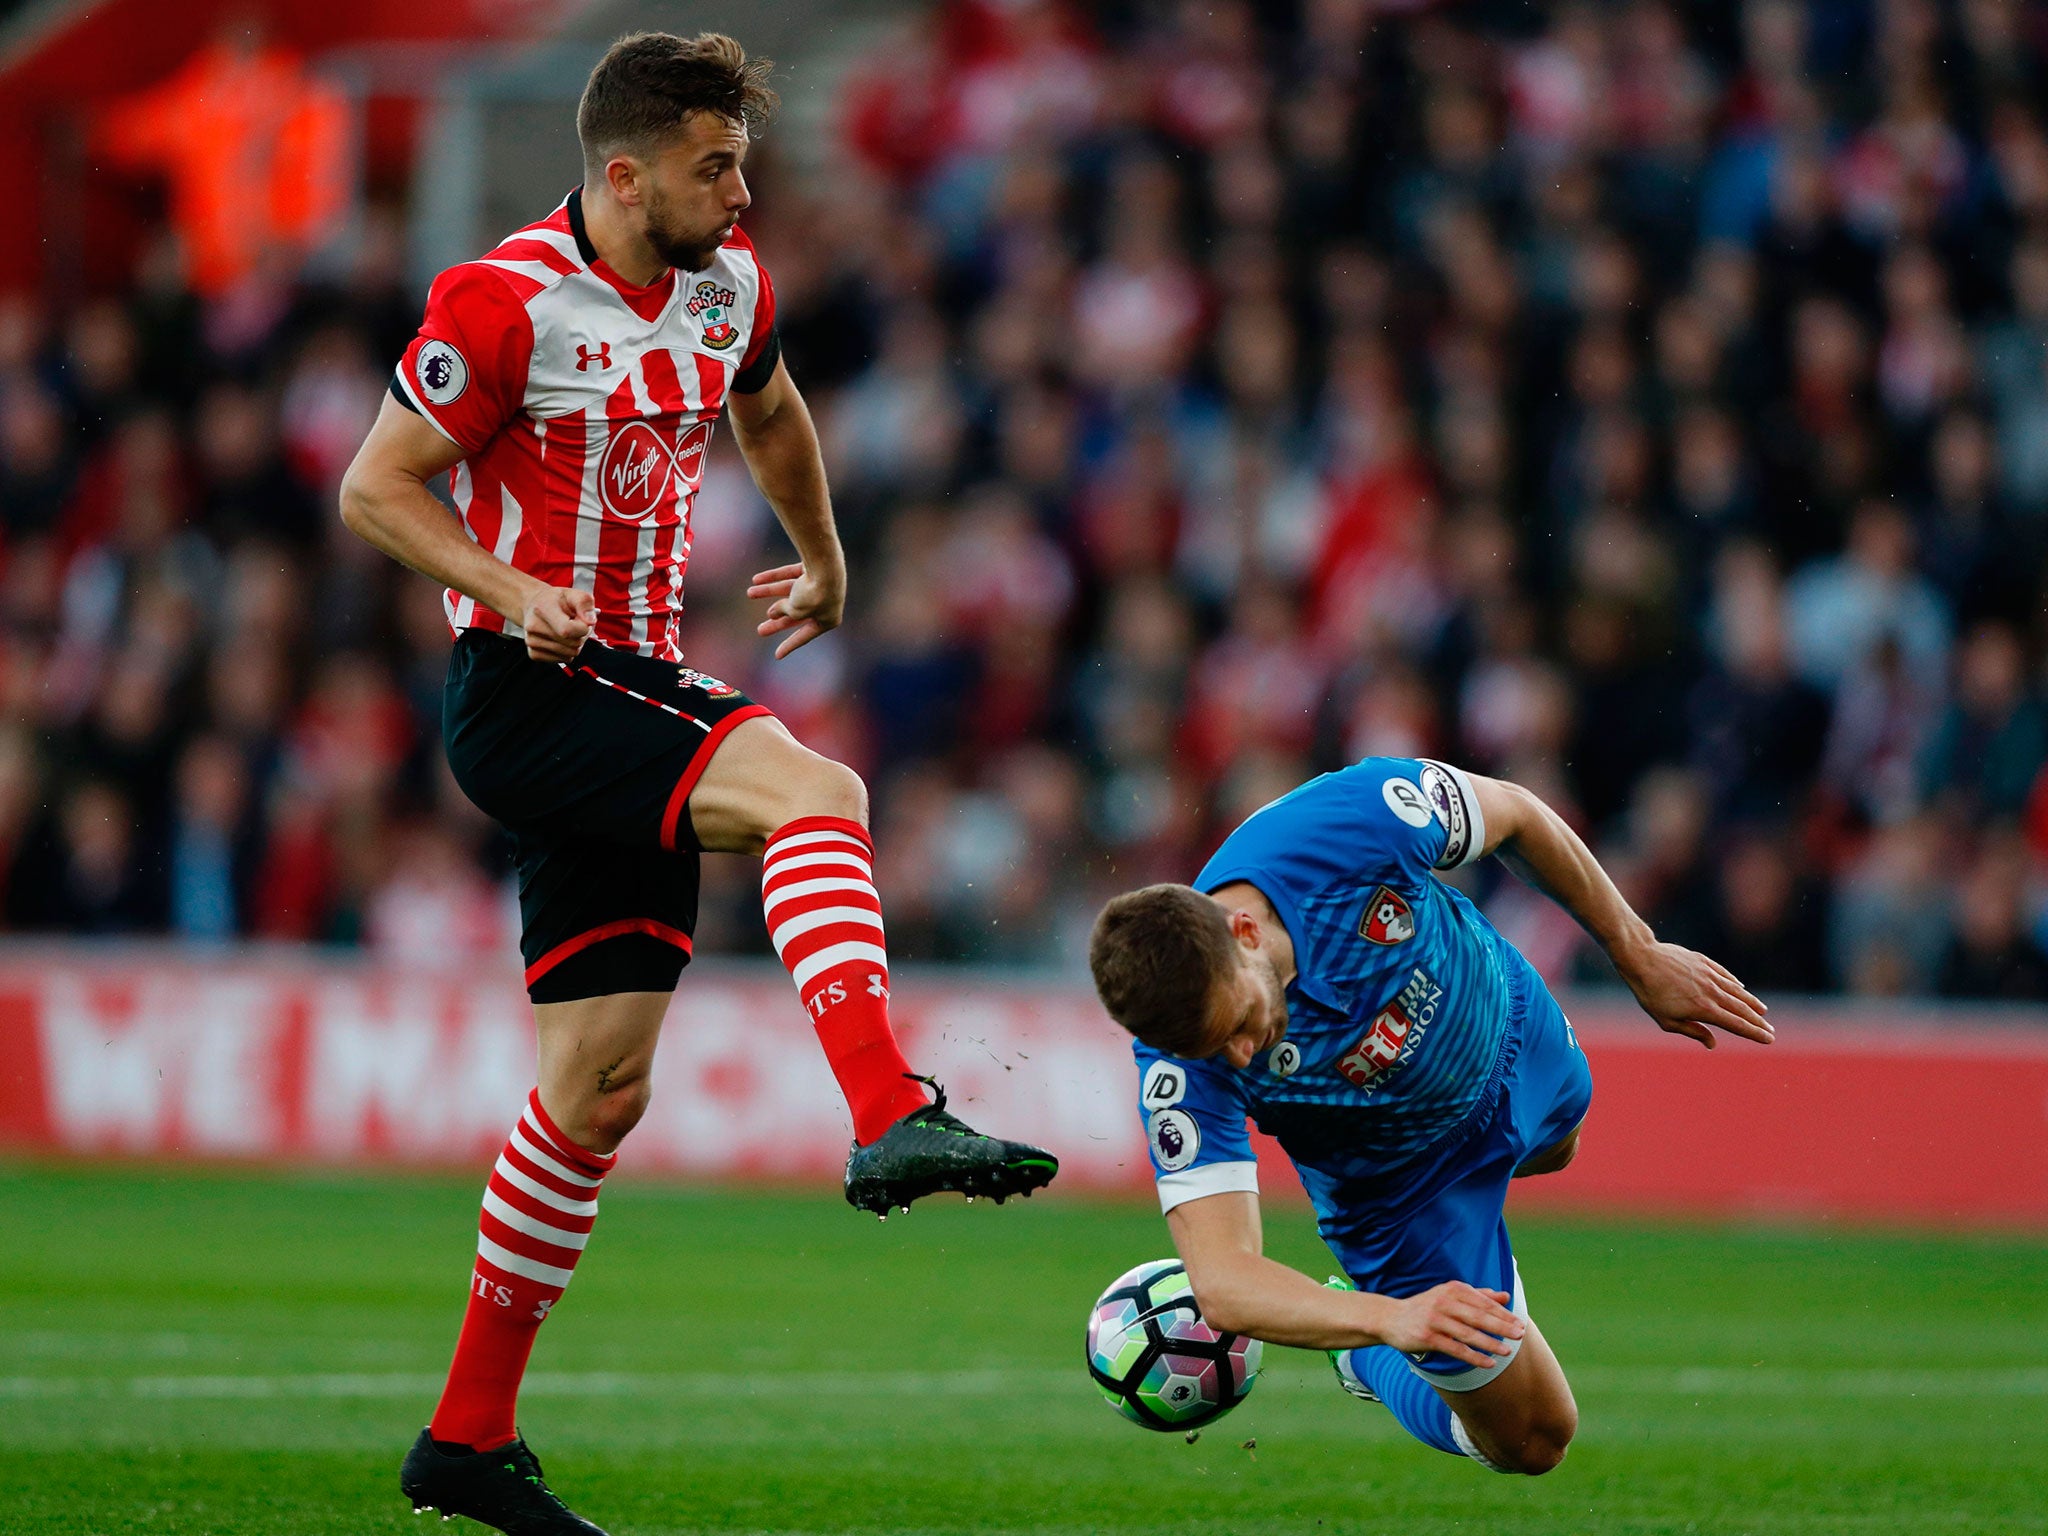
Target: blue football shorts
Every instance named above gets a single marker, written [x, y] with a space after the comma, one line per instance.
[1443, 1218]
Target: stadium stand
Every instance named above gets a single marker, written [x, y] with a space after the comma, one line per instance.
[1648, 403]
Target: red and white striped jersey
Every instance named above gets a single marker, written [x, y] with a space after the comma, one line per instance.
[583, 406]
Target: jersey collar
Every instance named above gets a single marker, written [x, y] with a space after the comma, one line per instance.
[647, 302]
[1276, 896]
[576, 227]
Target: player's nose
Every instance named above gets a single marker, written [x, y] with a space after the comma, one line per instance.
[738, 198]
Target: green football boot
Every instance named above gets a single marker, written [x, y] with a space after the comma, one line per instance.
[1340, 1359]
[930, 1150]
[503, 1489]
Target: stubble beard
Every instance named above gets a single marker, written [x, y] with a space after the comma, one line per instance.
[682, 249]
[1276, 996]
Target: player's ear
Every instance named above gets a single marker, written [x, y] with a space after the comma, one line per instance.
[622, 175]
[1245, 929]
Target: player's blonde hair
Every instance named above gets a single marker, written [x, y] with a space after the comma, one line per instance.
[648, 83]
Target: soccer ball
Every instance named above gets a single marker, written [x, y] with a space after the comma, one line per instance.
[1157, 1363]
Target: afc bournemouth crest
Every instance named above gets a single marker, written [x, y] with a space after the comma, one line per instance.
[711, 307]
[1388, 918]
[687, 677]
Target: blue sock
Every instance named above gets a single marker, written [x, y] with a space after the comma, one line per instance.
[1408, 1397]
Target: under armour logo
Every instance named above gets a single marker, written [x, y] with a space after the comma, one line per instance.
[600, 355]
[875, 986]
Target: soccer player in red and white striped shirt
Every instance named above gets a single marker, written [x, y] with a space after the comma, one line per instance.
[568, 382]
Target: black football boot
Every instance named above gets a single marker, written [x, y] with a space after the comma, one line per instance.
[503, 1489]
[929, 1150]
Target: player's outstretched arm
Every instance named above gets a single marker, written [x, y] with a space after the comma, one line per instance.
[385, 502]
[1241, 1291]
[780, 443]
[1684, 991]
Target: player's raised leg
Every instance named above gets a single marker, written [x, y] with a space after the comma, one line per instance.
[764, 792]
[1520, 1422]
[1523, 1420]
[1516, 1417]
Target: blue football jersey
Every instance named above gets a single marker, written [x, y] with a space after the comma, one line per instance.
[1397, 1014]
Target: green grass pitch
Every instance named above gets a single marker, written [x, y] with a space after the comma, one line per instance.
[229, 1353]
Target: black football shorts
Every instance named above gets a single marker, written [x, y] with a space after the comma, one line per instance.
[590, 767]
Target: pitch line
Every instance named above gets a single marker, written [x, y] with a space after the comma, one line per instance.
[343, 1384]
[1692, 1381]
[1795, 1381]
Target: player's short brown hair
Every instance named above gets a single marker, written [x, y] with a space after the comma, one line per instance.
[648, 83]
[1157, 955]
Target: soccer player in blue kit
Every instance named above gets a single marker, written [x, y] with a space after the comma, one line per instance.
[1318, 979]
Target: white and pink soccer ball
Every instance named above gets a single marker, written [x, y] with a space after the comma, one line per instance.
[1156, 1361]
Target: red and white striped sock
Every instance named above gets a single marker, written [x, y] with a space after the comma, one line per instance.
[539, 1207]
[825, 918]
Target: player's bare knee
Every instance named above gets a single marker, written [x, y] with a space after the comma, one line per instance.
[613, 1113]
[1554, 1159]
[837, 791]
[1544, 1443]
[808, 784]
[1563, 1154]
[1542, 1452]
[764, 779]
[600, 1104]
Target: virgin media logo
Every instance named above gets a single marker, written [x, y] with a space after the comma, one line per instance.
[639, 469]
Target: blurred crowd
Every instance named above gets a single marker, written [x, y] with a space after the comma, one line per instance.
[1645, 402]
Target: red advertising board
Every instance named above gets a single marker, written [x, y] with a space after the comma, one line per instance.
[1922, 1116]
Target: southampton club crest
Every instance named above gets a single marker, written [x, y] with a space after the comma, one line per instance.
[711, 307]
[1388, 918]
[689, 677]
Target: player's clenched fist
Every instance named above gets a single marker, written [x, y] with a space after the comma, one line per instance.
[1458, 1320]
[557, 621]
